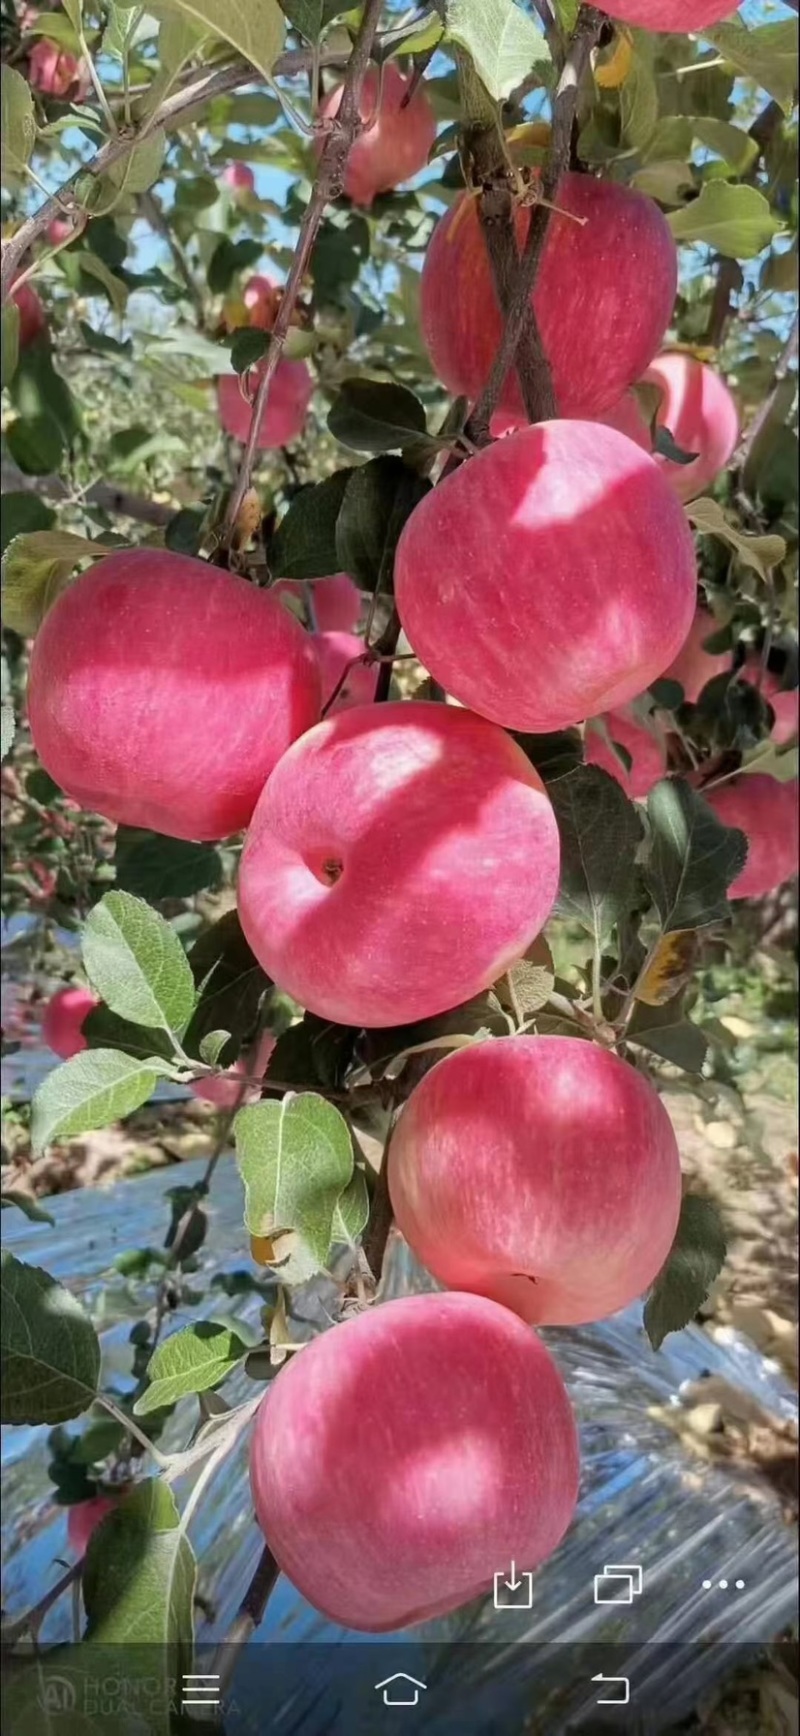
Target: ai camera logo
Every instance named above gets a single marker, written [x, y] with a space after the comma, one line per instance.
[618, 1584]
[57, 1694]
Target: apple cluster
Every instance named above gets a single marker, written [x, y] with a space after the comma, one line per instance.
[400, 857]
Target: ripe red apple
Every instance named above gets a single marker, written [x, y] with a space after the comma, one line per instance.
[162, 692]
[398, 136]
[548, 579]
[646, 748]
[32, 317]
[336, 652]
[540, 1171]
[701, 416]
[336, 601]
[399, 1458]
[225, 1089]
[239, 178]
[785, 702]
[56, 72]
[603, 296]
[62, 1020]
[257, 305]
[400, 858]
[286, 409]
[766, 811]
[679, 17]
[83, 1519]
[694, 667]
[626, 416]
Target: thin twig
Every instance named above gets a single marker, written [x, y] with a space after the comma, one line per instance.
[327, 186]
[105, 495]
[31, 1621]
[787, 356]
[565, 103]
[155, 217]
[249, 1616]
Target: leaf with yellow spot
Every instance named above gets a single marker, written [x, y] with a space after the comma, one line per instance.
[670, 969]
[612, 66]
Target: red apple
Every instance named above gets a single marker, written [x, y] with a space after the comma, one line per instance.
[550, 578]
[694, 667]
[603, 296]
[400, 858]
[336, 652]
[766, 811]
[83, 1519]
[162, 692]
[239, 178]
[398, 136]
[701, 416]
[626, 416]
[336, 601]
[62, 1020]
[225, 1089]
[32, 317]
[287, 404]
[56, 72]
[646, 749]
[540, 1171]
[679, 17]
[400, 1460]
[785, 701]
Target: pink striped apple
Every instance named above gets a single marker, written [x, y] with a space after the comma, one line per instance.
[335, 601]
[694, 666]
[540, 1171]
[677, 17]
[402, 1459]
[644, 745]
[32, 317]
[701, 416]
[398, 136]
[336, 653]
[549, 579]
[766, 811]
[62, 1020]
[400, 858]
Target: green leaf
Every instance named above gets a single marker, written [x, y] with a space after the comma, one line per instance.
[29, 1206]
[529, 983]
[600, 833]
[503, 41]
[732, 144]
[154, 867]
[667, 181]
[10, 342]
[136, 963]
[255, 28]
[553, 755]
[57, 29]
[106, 1030]
[638, 104]
[479, 1017]
[141, 166]
[735, 220]
[296, 1160]
[231, 986]
[374, 416]
[418, 37]
[178, 39]
[50, 1350]
[212, 1045]
[247, 347]
[17, 123]
[119, 31]
[116, 291]
[304, 544]
[665, 1031]
[342, 246]
[692, 858]
[36, 444]
[102, 344]
[91, 1090]
[762, 553]
[767, 54]
[227, 260]
[36, 567]
[694, 1262]
[23, 511]
[378, 498]
[139, 1578]
[189, 1362]
[352, 1210]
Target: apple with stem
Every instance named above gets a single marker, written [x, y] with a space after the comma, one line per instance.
[700, 413]
[399, 129]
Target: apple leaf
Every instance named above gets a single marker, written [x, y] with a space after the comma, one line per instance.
[296, 1161]
[135, 961]
[735, 220]
[304, 544]
[502, 40]
[666, 1031]
[762, 553]
[378, 499]
[600, 833]
[692, 858]
[767, 53]
[190, 1361]
[255, 28]
[18, 123]
[91, 1090]
[376, 416]
[151, 866]
[37, 566]
[138, 1582]
[694, 1262]
[50, 1350]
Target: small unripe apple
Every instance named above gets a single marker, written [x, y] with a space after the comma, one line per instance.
[283, 421]
[701, 416]
[398, 136]
[32, 317]
[540, 1171]
[83, 1519]
[694, 667]
[603, 297]
[677, 17]
[645, 747]
[400, 1457]
[336, 601]
[550, 578]
[785, 702]
[336, 653]
[56, 72]
[62, 1020]
[162, 691]
[239, 178]
[225, 1089]
[766, 811]
[400, 858]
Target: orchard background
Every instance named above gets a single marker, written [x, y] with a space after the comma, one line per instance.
[214, 349]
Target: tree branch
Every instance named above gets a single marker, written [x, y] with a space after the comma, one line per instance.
[565, 104]
[105, 495]
[327, 186]
[249, 1615]
[787, 356]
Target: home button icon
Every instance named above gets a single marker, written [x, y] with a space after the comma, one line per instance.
[401, 1690]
